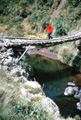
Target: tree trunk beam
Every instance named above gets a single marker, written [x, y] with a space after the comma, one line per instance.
[21, 41]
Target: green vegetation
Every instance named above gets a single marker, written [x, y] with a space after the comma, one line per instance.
[77, 58]
[22, 17]
[20, 112]
[74, 2]
[14, 107]
[60, 27]
[16, 16]
[13, 13]
[71, 17]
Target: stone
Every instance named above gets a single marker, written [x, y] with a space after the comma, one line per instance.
[75, 88]
[10, 51]
[33, 87]
[77, 94]
[8, 61]
[71, 83]
[33, 84]
[79, 106]
[3, 49]
[50, 106]
[69, 91]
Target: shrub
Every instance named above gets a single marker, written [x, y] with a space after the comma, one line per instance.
[75, 63]
[1, 20]
[49, 3]
[74, 2]
[60, 27]
[65, 54]
[20, 112]
[17, 19]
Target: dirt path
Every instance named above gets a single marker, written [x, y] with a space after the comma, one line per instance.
[46, 53]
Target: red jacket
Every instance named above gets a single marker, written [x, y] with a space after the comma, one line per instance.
[49, 29]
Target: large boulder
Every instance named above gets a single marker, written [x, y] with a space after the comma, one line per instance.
[50, 106]
[33, 87]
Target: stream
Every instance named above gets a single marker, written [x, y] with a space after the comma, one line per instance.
[53, 77]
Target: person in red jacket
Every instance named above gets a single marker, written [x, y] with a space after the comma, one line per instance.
[49, 29]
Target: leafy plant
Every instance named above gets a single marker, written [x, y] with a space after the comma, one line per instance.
[1, 20]
[60, 27]
[74, 2]
[17, 19]
[20, 112]
[75, 63]
[67, 57]
[50, 2]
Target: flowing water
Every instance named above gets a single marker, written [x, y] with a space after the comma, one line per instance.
[54, 76]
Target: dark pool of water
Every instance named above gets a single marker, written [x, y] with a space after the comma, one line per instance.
[54, 76]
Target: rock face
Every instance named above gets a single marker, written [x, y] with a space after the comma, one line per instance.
[50, 105]
[28, 90]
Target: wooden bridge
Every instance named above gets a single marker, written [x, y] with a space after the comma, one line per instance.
[21, 41]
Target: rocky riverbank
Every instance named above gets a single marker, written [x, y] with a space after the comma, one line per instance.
[26, 90]
[17, 82]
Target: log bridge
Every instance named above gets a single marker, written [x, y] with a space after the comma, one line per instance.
[22, 41]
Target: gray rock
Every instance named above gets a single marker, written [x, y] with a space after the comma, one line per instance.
[71, 83]
[79, 106]
[3, 49]
[8, 61]
[69, 91]
[78, 94]
[32, 84]
[50, 106]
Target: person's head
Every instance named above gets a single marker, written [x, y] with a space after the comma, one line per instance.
[47, 23]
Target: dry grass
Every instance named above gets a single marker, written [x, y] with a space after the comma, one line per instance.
[42, 35]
